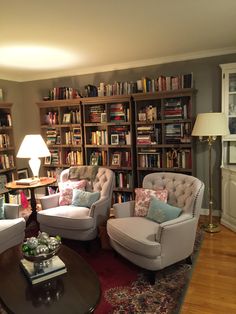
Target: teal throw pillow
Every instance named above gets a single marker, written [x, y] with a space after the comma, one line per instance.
[84, 198]
[161, 212]
[2, 215]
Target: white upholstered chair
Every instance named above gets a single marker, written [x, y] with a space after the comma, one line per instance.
[12, 228]
[151, 245]
[76, 222]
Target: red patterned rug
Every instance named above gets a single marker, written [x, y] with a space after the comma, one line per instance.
[125, 288]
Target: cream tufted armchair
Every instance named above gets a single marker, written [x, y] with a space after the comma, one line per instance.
[151, 245]
[78, 222]
[12, 228]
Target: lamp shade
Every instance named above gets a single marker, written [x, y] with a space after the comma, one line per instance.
[33, 146]
[211, 124]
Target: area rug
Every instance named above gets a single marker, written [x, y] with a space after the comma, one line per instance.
[125, 288]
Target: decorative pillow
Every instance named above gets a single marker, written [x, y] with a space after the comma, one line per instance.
[2, 216]
[84, 198]
[161, 212]
[143, 198]
[66, 190]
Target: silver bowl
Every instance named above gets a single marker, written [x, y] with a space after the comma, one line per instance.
[40, 257]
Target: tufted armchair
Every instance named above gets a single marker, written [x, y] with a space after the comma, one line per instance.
[75, 221]
[12, 228]
[151, 245]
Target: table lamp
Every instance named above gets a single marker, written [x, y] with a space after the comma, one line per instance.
[210, 125]
[33, 147]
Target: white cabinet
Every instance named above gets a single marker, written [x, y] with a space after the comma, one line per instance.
[228, 217]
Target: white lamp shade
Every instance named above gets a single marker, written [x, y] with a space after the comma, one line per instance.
[33, 146]
[211, 124]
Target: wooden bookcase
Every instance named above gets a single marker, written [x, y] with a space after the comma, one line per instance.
[109, 140]
[131, 134]
[163, 124]
[7, 146]
[61, 127]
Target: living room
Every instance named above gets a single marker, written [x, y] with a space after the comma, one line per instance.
[207, 40]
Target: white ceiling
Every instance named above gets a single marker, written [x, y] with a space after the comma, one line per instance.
[116, 34]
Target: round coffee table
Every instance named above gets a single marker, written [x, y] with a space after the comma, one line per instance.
[77, 291]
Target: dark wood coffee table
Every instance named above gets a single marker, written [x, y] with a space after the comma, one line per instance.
[77, 291]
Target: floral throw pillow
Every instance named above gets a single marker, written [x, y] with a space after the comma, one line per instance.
[66, 190]
[143, 198]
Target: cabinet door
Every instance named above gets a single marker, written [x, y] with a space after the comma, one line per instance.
[229, 98]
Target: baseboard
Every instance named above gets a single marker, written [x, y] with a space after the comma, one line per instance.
[205, 211]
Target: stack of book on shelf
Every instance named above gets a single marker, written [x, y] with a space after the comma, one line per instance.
[95, 113]
[55, 268]
[118, 113]
[51, 136]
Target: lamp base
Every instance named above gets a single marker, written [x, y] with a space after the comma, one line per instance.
[211, 228]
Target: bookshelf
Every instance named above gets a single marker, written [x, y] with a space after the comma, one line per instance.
[163, 123]
[7, 147]
[109, 140]
[61, 127]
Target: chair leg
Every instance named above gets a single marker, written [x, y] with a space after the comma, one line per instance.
[189, 260]
[151, 277]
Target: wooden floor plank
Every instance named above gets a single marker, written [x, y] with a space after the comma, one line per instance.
[212, 289]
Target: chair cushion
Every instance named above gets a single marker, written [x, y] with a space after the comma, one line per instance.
[160, 212]
[84, 198]
[2, 212]
[143, 198]
[10, 227]
[137, 234]
[66, 190]
[66, 217]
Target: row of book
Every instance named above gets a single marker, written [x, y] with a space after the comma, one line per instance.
[147, 135]
[4, 140]
[5, 119]
[149, 159]
[177, 133]
[179, 159]
[121, 197]
[143, 85]
[98, 137]
[98, 158]
[57, 93]
[123, 179]
[73, 137]
[74, 158]
[6, 161]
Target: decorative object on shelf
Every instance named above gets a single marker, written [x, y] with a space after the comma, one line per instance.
[210, 125]
[33, 147]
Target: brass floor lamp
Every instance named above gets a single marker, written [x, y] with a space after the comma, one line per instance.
[207, 127]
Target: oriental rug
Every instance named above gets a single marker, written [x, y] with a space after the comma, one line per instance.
[125, 287]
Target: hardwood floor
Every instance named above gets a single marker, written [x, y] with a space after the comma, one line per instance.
[212, 289]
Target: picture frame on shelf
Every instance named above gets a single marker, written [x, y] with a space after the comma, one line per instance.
[66, 118]
[94, 160]
[116, 159]
[232, 153]
[114, 139]
[22, 173]
[103, 117]
[47, 160]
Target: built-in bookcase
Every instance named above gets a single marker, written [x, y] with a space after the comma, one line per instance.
[61, 127]
[109, 140]
[131, 134]
[163, 124]
[7, 146]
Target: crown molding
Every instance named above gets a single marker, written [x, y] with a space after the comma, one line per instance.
[119, 66]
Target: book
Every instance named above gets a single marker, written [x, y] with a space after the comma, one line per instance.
[55, 268]
[27, 181]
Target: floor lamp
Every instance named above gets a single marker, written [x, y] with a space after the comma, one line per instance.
[207, 127]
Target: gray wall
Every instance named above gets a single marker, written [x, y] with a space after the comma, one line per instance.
[207, 80]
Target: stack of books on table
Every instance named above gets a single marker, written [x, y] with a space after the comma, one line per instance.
[54, 269]
[27, 181]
